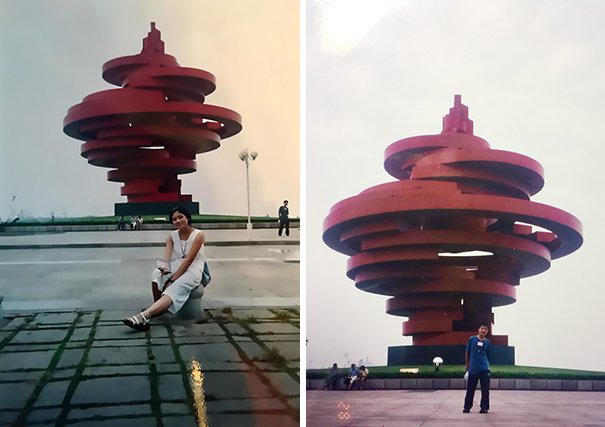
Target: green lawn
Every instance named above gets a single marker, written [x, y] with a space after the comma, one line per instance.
[457, 371]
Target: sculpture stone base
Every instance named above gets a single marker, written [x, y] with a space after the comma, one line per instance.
[154, 208]
[451, 355]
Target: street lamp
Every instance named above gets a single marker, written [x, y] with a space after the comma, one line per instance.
[246, 157]
[437, 361]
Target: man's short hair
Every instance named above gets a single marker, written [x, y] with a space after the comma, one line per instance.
[285, 201]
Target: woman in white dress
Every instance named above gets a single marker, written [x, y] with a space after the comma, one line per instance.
[180, 272]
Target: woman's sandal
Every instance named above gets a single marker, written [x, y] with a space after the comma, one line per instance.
[139, 322]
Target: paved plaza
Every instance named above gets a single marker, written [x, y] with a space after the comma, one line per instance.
[66, 358]
[443, 408]
[84, 368]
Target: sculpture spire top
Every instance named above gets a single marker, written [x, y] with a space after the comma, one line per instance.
[153, 42]
[457, 121]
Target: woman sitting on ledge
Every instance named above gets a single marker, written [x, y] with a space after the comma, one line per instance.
[178, 274]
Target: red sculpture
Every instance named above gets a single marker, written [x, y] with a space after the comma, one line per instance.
[451, 238]
[151, 128]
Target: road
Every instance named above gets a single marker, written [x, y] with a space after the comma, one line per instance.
[105, 278]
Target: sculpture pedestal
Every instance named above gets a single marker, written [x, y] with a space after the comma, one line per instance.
[451, 355]
[154, 208]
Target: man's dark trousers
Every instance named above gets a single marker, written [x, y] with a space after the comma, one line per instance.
[482, 377]
[281, 227]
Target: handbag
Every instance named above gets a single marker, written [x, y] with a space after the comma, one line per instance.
[206, 275]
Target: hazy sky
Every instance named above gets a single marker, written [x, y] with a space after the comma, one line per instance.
[51, 57]
[533, 76]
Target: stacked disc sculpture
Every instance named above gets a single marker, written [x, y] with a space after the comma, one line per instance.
[451, 238]
[150, 129]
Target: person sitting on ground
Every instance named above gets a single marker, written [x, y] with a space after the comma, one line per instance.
[332, 380]
[353, 376]
[178, 274]
[363, 376]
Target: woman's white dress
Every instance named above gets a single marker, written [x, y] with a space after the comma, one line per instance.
[181, 288]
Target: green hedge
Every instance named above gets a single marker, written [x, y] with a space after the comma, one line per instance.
[457, 371]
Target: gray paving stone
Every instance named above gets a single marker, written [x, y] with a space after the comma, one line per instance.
[207, 339]
[259, 313]
[14, 395]
[175, 409]
[110, 411]
[40, 336]
[25, 360]
[232, 405]
[197, 330]
[158, 331]
[31, 347]
[86, 319]
[171, 387]
[21, 376]
[160, 341]
[247, 420]
[284, 383]
[53, 318]
[252, 350]
[63, 374]
[553, 384]
[294, 402]
[458, 383]
[180, 421]
[8, 417]
[171, 368]
[266, 366]
[225, 366]
[80, 334]
[598, 385]
[584, 385]
[116, 370]
[114, 315]
[209, 353]
[119, 422]
[70, 357]
[522, 384]
[280, 337]
[240, 338]
[117, 332]
[41, 415]
[163, 354]
[274, 328]
[15, 323]
[234, 328]
[52, 394]
[230, 385]
[290, 350]
[117, 356]
[112, 390]
[141, 342]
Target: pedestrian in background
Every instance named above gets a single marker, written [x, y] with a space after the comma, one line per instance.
[284, 219]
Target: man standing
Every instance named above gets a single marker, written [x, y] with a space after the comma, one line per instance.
[284, 220]
[477, 354]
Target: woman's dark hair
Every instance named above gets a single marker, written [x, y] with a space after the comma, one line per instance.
[182, 210]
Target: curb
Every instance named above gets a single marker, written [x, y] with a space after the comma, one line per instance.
[516, 384]
[147, 244]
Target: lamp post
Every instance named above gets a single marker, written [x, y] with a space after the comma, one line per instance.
[247, 157]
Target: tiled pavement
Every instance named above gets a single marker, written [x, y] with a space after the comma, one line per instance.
[84, 368]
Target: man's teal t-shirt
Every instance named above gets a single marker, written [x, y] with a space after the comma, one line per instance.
[479, 352]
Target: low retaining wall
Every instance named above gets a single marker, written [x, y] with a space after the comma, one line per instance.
[114, 227]
[459, 384]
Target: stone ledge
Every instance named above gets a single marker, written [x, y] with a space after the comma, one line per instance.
[517, 384]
